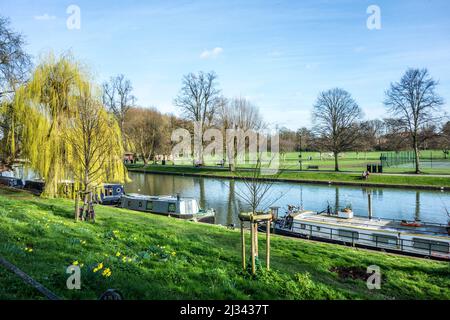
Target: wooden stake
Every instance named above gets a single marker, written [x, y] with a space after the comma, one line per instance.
[268, 244]
[243, 245]
[252, 236]
[255, 225]
[77, 207]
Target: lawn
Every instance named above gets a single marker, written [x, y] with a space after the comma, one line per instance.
[433, 162]
[325, 177]
[155, 257]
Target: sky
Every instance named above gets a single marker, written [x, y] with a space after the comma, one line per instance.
[278, 54]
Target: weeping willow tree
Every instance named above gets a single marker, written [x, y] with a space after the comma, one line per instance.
[67, 134]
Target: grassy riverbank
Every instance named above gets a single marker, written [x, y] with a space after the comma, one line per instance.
[155, 257]
[398, 180]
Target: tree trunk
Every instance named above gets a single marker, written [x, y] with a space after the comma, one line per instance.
[336, 161]
[416, 152]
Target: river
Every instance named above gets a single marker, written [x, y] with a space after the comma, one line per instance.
[223, 196]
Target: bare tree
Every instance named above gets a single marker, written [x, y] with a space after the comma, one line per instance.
[198, 100]
[118, 98]
[256, 192]
[241, 115]
[15, 63]
[336, 117]
[147, 129]
[415, 103]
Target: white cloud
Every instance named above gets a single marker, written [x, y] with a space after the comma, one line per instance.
[214, 53]
[44, 17]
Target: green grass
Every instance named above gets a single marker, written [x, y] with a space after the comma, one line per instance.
[335, 177]
[175, 259]
[352, 161]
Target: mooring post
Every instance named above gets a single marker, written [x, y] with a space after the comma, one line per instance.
[243, 244]
[369, 199]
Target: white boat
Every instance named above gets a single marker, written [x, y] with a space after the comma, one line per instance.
[174, 206]
[424, 239]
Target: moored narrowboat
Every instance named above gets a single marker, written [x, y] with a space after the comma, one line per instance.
[417, 238]
[174, 206]
[12, 182]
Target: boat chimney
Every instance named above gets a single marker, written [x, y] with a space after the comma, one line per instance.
[369, 198]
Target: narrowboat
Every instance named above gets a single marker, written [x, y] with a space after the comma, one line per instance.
[414, 238]
[110, 194]
[12, 182]
[174, 206]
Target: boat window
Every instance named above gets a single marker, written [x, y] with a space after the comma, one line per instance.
[384, 239]
[140, 204]
[437, 246]
[149, 205]
[108, 191]
[318, 228]
[119, 190]
[348, 234]
[303, 226]
[172, 207]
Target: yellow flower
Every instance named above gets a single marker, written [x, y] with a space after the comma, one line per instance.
[118, 254]
[129, 259]
[107, 272]
[75, 263]
[30, 250]
[173, 253]
[100, 266]
[124, 259]
[82, 265]
[95, 270]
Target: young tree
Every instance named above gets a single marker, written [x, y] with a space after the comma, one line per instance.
[94, 145]
[198, 100]
[415, 103]
[336, 117]
[118, 98]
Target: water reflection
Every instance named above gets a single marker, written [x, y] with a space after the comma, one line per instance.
[220, 194]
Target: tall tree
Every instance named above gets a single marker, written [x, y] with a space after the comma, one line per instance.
[414, 102]
[148, 130]
[118, 98]
[15, 64]
[66, 134]
[198, 100]
[336, 117]
[241, 115]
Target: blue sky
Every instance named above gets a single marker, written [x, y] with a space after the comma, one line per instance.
[279, 54]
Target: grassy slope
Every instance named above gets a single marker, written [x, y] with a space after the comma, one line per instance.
[314, 176]
[174, 259]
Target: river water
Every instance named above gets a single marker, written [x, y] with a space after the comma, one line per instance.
[224, 196]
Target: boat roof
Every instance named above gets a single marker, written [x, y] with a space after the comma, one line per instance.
[373, 224]
[138, 196]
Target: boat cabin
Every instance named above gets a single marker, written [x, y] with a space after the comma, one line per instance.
[111, 193]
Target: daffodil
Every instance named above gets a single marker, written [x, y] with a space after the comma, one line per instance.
[118, 254]
[75, 263]
[107, 272]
